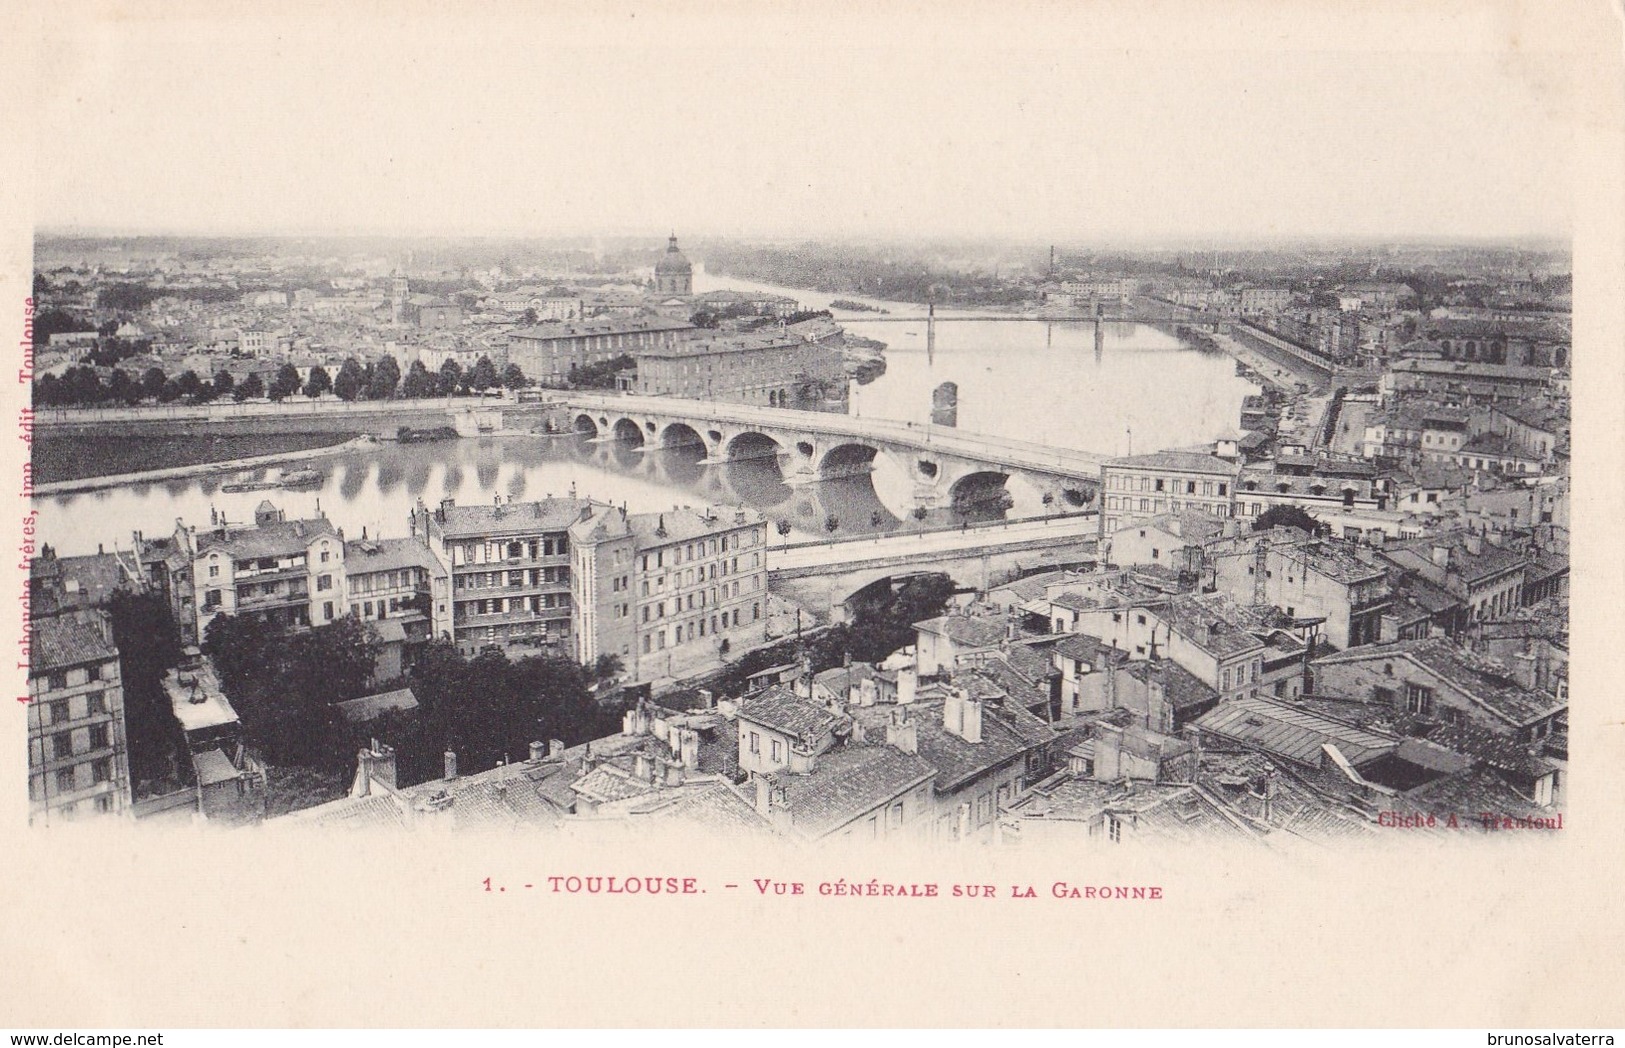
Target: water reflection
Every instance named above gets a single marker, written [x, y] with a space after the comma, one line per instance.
[1032, 381]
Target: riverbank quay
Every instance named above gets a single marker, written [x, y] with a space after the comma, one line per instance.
[239, 465]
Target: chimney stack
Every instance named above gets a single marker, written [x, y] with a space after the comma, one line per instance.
[902, 732]
[538, 751]
[908, 680]
[962, 715]
[1441, 556]
[451, 764]
[1526, 670]
[1159, 715]
[1108, 752]
[555, 748]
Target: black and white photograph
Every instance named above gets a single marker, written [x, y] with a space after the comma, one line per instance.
[1054, 444]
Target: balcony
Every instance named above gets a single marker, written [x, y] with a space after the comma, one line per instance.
[271, 600]
[498, 618]
[241, 573]
[524, 560]
[524, 589]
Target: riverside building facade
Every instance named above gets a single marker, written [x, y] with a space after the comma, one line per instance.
[503, 572]
[669, 593]
[775, 370]
[1139, 487]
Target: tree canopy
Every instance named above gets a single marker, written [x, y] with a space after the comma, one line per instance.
[285, 384]
[319, 382]
[348, 385]
[1288, 516]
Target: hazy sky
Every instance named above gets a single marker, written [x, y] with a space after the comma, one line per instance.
[1046, 124]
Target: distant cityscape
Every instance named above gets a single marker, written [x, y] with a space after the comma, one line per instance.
[1344, 613]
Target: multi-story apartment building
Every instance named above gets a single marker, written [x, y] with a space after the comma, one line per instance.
[668, 593]
[774, 370]
[1265, 299]
[1320, 485]
[391, 579]
[289, 571]
[549, 352]
[77, 759]
[503, 572]
[1305, 578]
[1143, 486]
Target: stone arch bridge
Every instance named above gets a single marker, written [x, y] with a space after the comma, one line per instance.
[943, 464]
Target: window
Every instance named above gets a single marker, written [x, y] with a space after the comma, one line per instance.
[104, 804]
[326, 556]
[96, 702]
[101, 770]
[1419, 700]
[324, 582]
[778, 751]
[98, 737]
[57, 712]
[755, 742]
[214, 571]
[64, 780]
[62, 745]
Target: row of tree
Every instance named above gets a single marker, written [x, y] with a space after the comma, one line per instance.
[378, 380]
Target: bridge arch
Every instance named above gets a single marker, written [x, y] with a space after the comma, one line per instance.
[754, 444]
[585, 425]
[981, 494]
[846, 460]
[681, 435]
[628, 432]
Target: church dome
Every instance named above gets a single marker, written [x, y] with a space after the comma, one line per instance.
[674, 260]
[673, 274]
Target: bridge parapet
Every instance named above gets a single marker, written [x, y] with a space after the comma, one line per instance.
[795, 427]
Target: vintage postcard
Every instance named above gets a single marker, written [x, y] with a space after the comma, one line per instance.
[713, 514]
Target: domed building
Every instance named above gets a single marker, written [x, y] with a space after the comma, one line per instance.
[674, 275]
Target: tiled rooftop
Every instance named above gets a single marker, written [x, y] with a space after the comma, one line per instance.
[782, 710]
[847, 782]
[70, 639]
[514, 518]
[1292, 733]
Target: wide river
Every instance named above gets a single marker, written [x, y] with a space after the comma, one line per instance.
[1034, 381]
